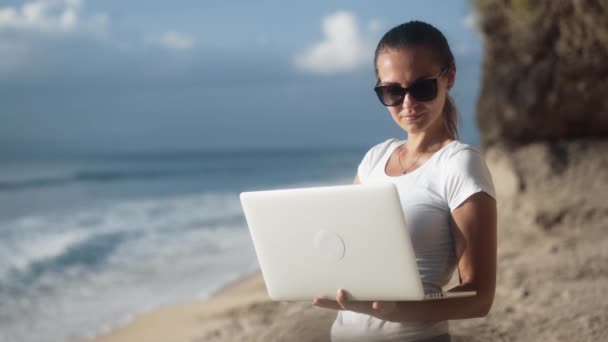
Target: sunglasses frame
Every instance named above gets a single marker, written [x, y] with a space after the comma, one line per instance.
[378, 89]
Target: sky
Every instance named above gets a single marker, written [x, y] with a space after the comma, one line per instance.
[151, 75]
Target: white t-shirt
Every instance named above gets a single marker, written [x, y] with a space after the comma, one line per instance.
[428, 195]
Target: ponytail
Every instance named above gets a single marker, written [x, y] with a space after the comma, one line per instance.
[450, 118]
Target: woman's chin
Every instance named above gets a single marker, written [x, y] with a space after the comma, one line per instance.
[413, 127]
[421, 124]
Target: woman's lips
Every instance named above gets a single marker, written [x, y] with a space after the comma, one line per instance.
[412, 116]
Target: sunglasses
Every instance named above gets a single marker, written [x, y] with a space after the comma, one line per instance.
[421, 90]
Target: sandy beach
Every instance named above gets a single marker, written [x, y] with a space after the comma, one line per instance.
[241, 311]
[531, 304]
[558, 298]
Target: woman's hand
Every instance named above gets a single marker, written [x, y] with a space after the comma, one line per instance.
[372, 308]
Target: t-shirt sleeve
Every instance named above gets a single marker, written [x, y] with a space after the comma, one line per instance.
[466, 174]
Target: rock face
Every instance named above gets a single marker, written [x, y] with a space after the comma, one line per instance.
[554, 188]
[543, 118]
[552, 244]
[545, 73]
[543, 108]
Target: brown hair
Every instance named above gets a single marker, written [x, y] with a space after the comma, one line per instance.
[420, 33]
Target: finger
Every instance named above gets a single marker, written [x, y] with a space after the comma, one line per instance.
[384, 307]
[342, 299]
[377, 306]
[326, 304]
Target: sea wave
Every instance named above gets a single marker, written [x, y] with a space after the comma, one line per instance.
[119, 175]
[37, 239]
[72, 273]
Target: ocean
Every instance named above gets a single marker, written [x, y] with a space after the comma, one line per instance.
[88, 242]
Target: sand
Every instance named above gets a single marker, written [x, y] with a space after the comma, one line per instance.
[561, 296]
[242, 311]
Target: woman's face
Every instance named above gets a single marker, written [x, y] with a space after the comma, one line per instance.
[403, 67]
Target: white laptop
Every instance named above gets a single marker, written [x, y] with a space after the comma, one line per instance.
[312, 241]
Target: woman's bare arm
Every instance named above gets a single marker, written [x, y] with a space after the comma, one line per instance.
[475, 233]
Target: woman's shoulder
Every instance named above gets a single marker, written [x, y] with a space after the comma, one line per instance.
[375, 155]
[463, 173]
[380, 149]
[385, 145]
[457, 150]
[458, 157]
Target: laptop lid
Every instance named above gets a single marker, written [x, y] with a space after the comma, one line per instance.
[312, 241]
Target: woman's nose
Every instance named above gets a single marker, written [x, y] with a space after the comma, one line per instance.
[408, 100]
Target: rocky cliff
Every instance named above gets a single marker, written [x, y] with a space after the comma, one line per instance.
[543, 119]
[545, 73]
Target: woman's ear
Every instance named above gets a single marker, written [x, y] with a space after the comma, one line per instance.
[451, 76]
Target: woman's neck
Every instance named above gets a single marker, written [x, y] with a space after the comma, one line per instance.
[423, 143]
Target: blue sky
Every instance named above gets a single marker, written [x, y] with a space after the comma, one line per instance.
[148, 75]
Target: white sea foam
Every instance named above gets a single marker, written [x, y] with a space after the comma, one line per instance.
[149, 253]
[30, 249]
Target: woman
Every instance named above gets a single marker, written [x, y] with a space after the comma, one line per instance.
[446, 194]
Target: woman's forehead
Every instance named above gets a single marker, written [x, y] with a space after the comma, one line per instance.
[406, 64]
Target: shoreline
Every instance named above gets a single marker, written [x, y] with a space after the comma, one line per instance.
[165, 323]
[240, 311]
[231, 285]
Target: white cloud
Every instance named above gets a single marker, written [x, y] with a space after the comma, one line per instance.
[74, 3]
[471, 21]
[342, 49]
[20, 27]
[49, 16]
[175, 41]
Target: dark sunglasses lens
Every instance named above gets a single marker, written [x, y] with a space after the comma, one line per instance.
[424, 90]
[390, 95]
